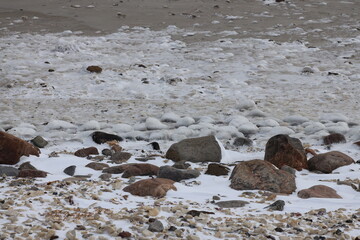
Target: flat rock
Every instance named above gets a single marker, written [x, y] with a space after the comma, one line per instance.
[84, 152]
[156, 187]
[30, 173]
[318, 191]
[102, 137]
[203, 149]
[327, 162]
[97, 166]
[177, 174]
[231, 203]
[8, 171]
[133, 169]
[217, 170]
[120, 157]
[277, 205]
[94, 69]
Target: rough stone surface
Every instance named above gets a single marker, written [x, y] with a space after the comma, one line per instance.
[94, 69]
[334, 138]
[203, 149]
[102, 137]
[12, 148]
[27, 165]
[283, 150]
[120, 157]
[156, 226]
[70, 170]
[156, 187]
[133, 169]
[327, 162]
[177, 174]
[261, 175]
[8, 171]
[105, 176]
[288, 169]
[29, 173]
[97, 166]
[232, 204]
[39, 142]
[84, 152]
[217, 170]
[277, 205]
[318, 191]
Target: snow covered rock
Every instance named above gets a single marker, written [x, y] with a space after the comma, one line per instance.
[170, 117]
[59, 125]
[203, 149]
[154, 124]
[295, 120]
[157, 187]
[327, 162]
[318, 191]
[333, 117]
[185, 121]
[90, 125]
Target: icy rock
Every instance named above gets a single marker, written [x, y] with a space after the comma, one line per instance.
[277, 205]
[184, 131]
[185, 121]
[256, 113]
[267, 123]
[318, 191]
[159, 135]
[242, 141]
[177, 174]
[140, 127]
[122, 128]
[237, 121]
[280, 130]
[206, 119]
[22, 131]
[90, 125]
[295, 120]
[170, 117]
[333, 117]
[307, 70]
[327, 162]
[248, 128]
[338, 127]
[59, 125]
[154, 124]
[244, 104]
[313, 127]
[8, 171]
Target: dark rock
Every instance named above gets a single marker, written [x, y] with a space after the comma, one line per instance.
[120, 157]
[70, 170]
[39, 142]
[181, 165]
[357, 143]
[94, 69]
[102, 137]
[334, 138]
[8, 171]
[203, 149]
[327, 162]
[288, 169]
[318, 191]
[278, 229]
[156, 187]
[196, 213]
[261, 175]
[97, 166]
[172, 228]
[27, 165]
[106, 152]
[241, 141]
[156, 226]
[232, 204]
[177, 174]
[29, 173]
[217, 170]
[12, 148]
[283, 150]
[277, 205]
[105, 176]
[124, 234]
[155, 145]
[86, 152]
[133, 169]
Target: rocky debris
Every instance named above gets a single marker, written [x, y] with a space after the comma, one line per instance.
[70, 170]
[277, 205]
[318, 191]
[177, 175]
[327, 162]
[203, 149]
[242, 141]
[217, 170]
[231, 204]
[283, 150]
[39, 142]
[26, 165]
[334, 138]
[12, 148]
[84, 152]
[102, 137]
[120, 157]
[8, 171]
[261, 175]
[94, 69]
[133, 169]
[156, 226]
[30, 173]
[156, 187]
[181, 165]
[97, 166]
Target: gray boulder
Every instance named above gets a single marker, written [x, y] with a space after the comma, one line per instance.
[177, 174]
[8, 171]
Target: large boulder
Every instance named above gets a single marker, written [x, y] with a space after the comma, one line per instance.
[177, 174]
[8, 171]
[12, 148]
[261, 175]
[202, 149]
[133, 169]
[284, 150]
[318, 191]
[156, 187]
[327, 162]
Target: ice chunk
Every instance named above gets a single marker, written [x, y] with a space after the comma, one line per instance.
[59, 125]
[154, 124]
[170, 117]
[333, 117]
[295, 119]
[90, 125]
[185, 121]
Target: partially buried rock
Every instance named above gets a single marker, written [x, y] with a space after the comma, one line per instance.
[94, 69]
[318, 191]
[231, 203]
[97, 166]
[217, 170]
[133, 169]
[157, 187]
[120, 157]
[107, 152]
[27, 165]
[283, 150]
[242, 141]
[12, 148]
[39, 142]
[177, 174]
[203, 149]
[8, 171]
[70, 170]
[156, 226]
[277, 205]
[102, 137]
[334, 138]
[29, 173]
[327, 162]
[86, 152]
[261, 175]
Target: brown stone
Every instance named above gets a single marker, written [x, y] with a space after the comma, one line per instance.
[120, 157]
[217, 169]
[327, 162]
[334, 138]
[94, 69]
[156, 187]
[30, 173]
[12, 148]
[27, 165]
[261, 175]
[86, 152]
[283, 150]
[133, 169]
[318, 191]
[97, 166]
[124, 234]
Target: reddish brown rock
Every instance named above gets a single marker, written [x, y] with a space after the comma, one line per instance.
[283, 150]
[30, 173]
[327, 162]
[12, 148]
[86, 152]
[124, 234]
[217, 170]
[334, 138]
[156, 187]
[133, 169]
[318, 191]
[261, 175]
[97, 166]
[94, 69]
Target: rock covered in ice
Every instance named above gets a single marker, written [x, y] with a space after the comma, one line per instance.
[185, 121]
[338, 127]
[59, 125]
[90, 125]
[313, 127]
[154, 124]
[295, 120]
[122, 128]
[170, 117]
[333, 117]
[267, 123]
